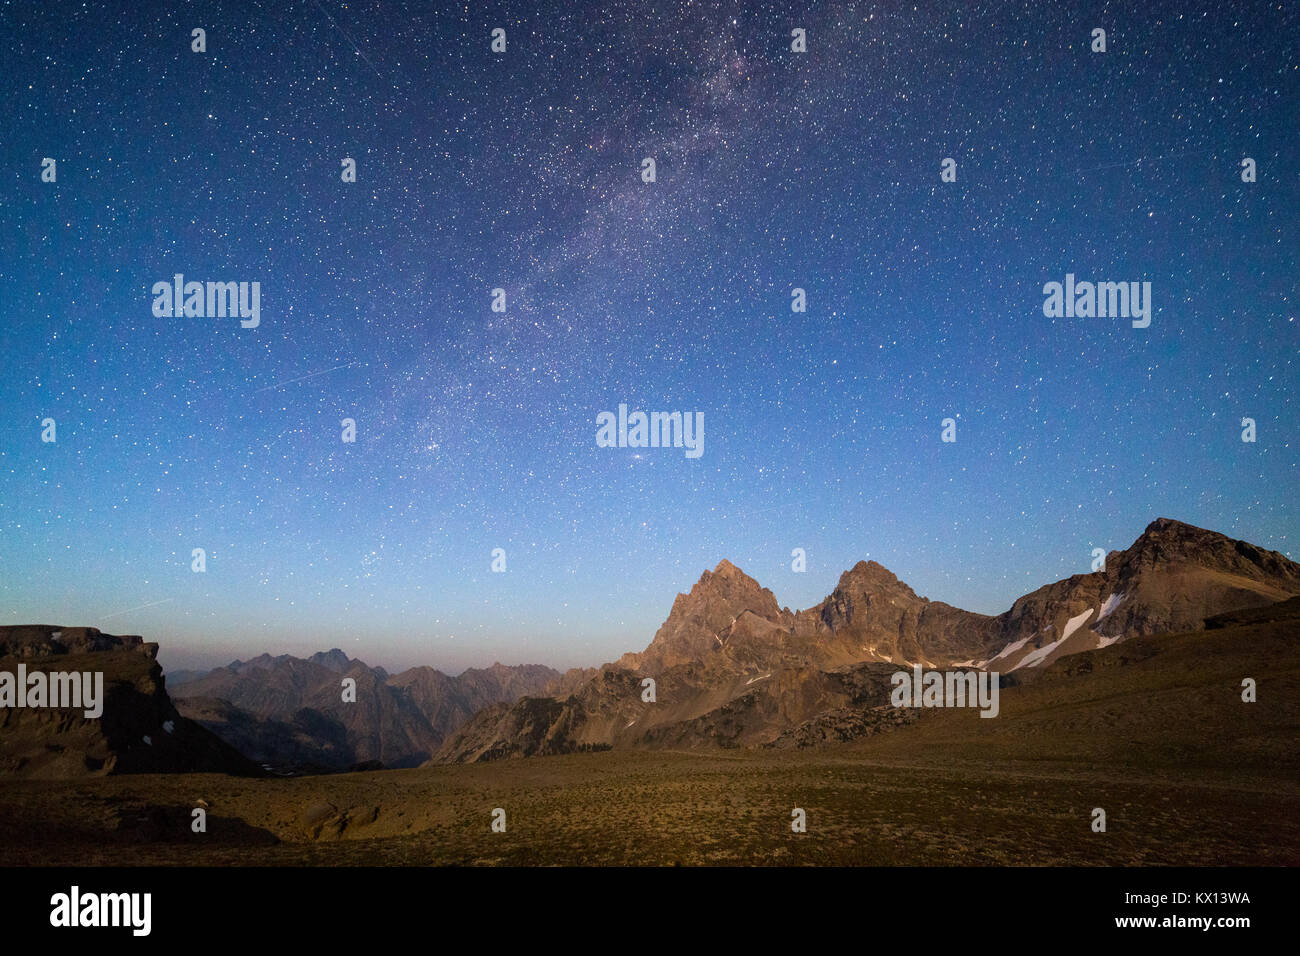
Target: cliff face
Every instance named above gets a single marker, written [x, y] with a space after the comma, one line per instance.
[138, 731]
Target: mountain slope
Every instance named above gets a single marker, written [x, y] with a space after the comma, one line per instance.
[1171, 578]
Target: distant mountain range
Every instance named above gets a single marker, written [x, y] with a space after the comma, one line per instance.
[288, 713]
[730, 669]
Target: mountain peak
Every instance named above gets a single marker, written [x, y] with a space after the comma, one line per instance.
[1168, 542]
[1167, 525]
[698, 623]
[1166, 539]
[727, 577]
[870, 572]
[728, 569]
[334, 659]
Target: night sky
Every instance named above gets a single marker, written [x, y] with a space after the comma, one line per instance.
[522, 171]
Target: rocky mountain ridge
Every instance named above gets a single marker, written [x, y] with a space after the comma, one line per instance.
[732, 668]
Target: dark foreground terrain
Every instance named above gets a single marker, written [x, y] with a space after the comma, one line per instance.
[1152, 730]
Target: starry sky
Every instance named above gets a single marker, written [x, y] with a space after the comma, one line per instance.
[522, 171]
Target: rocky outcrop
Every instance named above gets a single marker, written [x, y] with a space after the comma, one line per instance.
[138, 731]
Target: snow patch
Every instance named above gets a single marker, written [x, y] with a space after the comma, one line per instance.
[1103, 641]
[1034, 658]
[1111, 603]
[1009, 649]
[1074, 623]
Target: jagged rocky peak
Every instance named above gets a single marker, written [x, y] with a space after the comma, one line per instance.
[865, 584]
[723, 573]
[699, 622]
[1166, 537]
[726, 587]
